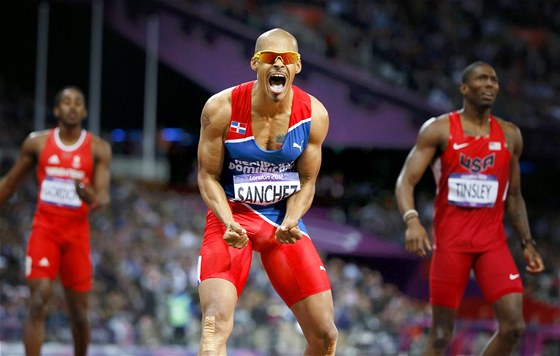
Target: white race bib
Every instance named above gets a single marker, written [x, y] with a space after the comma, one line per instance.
[60, 191]
[265, 188]
[472, 190]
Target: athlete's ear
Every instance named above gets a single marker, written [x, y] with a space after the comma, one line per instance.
[298, 66]
[463, 88]
[254, 64]
[56, 112]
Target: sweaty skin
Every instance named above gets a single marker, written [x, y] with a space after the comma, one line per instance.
[271, 104]
[479, 88]
[70, 111]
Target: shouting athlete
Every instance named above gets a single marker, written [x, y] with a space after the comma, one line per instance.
[258, 159]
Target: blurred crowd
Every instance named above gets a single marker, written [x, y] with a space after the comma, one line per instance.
[145, 251]
[145, 291]
[424, 45]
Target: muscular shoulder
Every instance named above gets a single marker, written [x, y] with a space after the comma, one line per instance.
[35, 141]
[318, 109]
[319, 118]
[101, 148]
[512, 134]
[507, 126]
[217, 109]
[435, 131]
[37, 136]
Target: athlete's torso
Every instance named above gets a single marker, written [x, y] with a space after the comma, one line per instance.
[472, 176]
[258, 177]
[58, 167]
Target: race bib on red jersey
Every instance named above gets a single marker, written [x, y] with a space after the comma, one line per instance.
[265, 188]
[60, 191]
[472, 190]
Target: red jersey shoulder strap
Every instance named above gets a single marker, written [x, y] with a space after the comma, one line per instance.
[455, 128]
[240, 119]
[241, 102]
[496, 132]
[301, 106]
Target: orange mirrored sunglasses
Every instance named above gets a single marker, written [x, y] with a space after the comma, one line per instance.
[270, 57]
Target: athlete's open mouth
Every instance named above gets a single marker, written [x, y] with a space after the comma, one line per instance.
[277, 82]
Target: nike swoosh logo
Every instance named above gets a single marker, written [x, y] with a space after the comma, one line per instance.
[513, 276]
[458, 146]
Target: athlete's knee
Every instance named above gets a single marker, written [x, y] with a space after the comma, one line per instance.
[80, 320]
[216, 328]
[440, 337]
[37, 306]
[220, 318]
[328, 335]
[512, 331]
[331, 333]
[331, 338]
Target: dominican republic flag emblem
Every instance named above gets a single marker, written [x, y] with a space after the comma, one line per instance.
[238, 127]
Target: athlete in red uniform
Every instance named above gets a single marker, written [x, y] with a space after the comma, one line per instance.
[73, 176]
[475, 161]
[259, 155]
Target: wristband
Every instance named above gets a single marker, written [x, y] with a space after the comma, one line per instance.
[409, 214]
[524, 243]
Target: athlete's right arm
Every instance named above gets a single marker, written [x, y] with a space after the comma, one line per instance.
[26, 162]
[430, 137]
[214, 122]
[102, 174]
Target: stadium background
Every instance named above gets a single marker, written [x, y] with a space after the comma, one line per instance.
[381, 68]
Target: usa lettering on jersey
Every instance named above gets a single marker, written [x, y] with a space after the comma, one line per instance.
[477, 164]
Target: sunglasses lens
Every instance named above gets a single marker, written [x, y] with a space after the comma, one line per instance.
[270, 57]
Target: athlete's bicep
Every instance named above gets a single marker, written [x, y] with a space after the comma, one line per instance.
[515, 144]
[424, 151]
[309, 162]
[24, 164]
[102, 174]
[27, 159]
[213, 123]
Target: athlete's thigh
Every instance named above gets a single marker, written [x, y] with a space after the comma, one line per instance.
[497, 274]
[314, 311]
[42, 258]
[76, 269]
[296, 271]
[449, 275]
[218, 260]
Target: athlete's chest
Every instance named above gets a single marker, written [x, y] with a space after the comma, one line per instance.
[289, 147]
[270, 132]
[476, 150]
[60, 160]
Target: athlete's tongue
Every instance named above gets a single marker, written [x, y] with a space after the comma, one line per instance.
[276, 83]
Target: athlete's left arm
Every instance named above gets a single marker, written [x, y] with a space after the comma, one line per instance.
[307, 165]
[515, 204]
[97, 196]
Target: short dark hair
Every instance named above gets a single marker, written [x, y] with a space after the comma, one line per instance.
[58, 95]
[469, 69]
